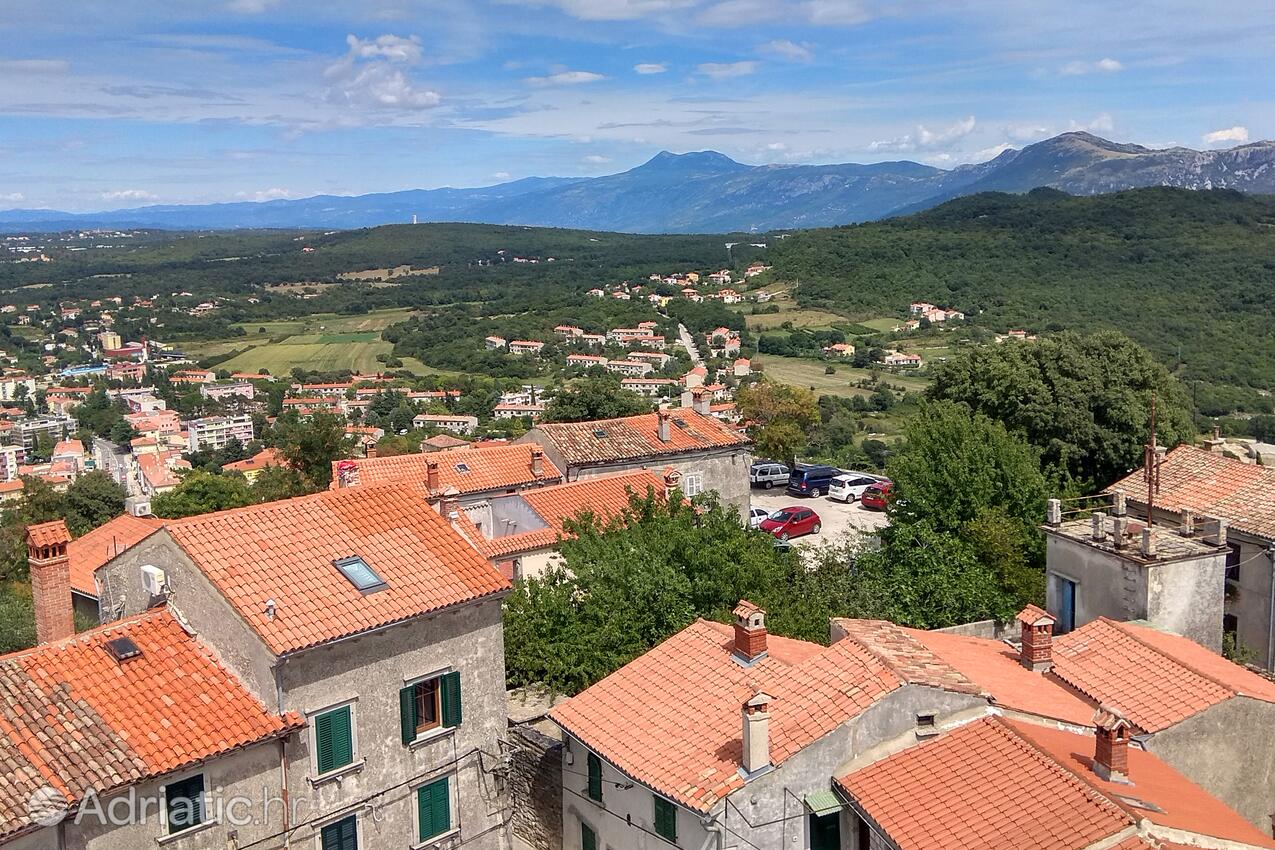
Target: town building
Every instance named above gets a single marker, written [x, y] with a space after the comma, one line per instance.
[902, 360]
[454, 422]
[650, 387]
[525, 346]
[214, 432]
[251, 467]
[241, 389]
[706, 454]
[474, 474]
[629, 367]
[517, 411]
[838, 349]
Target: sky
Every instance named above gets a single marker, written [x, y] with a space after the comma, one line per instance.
[109, 105]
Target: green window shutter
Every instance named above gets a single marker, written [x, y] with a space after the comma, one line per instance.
[434, 809]
[407, 713]
[342, 835]
[595, 778]
[334, 739]
[451, 699]
[665, 819]
[588, 838]
[184, 802]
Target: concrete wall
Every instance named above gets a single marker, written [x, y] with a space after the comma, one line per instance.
[773, 798]
[1227, 750]
[1251, 601]
[1186, 598]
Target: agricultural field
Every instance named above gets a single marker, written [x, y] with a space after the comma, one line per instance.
[810, 373]
[820, 319]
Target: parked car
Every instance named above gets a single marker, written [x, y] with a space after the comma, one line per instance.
[756, 515]
[767, 474]
[877, 497]
[846, 488]
[811, 480]
[793, 521]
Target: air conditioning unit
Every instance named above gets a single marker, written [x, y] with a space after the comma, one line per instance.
[154, 582]
[138, 505]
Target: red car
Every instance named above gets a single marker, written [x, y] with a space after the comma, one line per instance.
[877, 497]
[791, 522]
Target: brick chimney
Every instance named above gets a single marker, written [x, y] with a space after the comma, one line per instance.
[1036, 653]
[1111, 748]
[369, 450]
[750, 633]
[50, 580]
[756, 734]
[537, 462]
[662, 426]
[672, 484]
[431, 477]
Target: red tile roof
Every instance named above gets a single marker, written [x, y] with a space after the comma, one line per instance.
[1209, 483]
[103, 543]
[502, 467]
[48, 533]
[603, 496]
[910, 659]
[74, 718]
[637, 437]
[262, 459]
[982, 786]
[671, 718]
[285, 551]
[1155, 679]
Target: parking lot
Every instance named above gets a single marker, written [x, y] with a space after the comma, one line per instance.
[835, 517]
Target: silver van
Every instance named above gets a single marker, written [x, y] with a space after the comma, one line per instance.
[767, 474]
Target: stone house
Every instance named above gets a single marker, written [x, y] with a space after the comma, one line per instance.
[1196, 487]
[364, 614]
[706, 454]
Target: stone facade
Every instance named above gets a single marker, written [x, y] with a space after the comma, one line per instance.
[535, 786]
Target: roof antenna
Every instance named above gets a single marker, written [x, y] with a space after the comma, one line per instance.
[1151, 468]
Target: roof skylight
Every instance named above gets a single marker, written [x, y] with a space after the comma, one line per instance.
[359, 574]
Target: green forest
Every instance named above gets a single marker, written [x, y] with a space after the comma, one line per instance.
[1189, 275]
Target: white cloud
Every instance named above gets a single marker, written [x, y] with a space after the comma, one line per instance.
[566, 78]
[271, 194]
[251, 7]
[13, 198]
[367, 76]
[785, 49]
[1236, 134]
[608, 10]
[129, 195]
[826, 13]
[727, 70]
[1102, 123]
[1102, 66]
[650, 68]
[990, 153]
[1026, 132]
[842, 13]
[925, 139]
[35, 66]
[501, 175]
[596, 159]
[776, 146]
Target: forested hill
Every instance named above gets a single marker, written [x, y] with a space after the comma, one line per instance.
[1190, 275]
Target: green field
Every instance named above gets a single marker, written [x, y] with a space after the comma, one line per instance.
[799, 318]
[331, 323]
[883, 325]
[810, 373]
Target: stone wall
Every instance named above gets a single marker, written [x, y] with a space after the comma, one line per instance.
[535, 784]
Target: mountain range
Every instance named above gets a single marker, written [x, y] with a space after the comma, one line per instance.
[707, 192]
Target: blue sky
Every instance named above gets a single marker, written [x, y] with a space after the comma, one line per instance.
[107, 105]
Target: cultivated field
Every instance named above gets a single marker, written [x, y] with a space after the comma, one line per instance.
[799, 319]
[810, 373]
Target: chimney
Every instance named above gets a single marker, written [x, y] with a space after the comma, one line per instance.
[369, 450]
[449, 505]
[1053, 513]
[1187, 528]
[750, 633]
[1216, 536]
[537, 462]
[703, 400]
[1036, 653]
[1148, 544]
[431, 477]
[1099, 526]
[672, 484]
[1118, 526]
[50, 580]
[688, 398]
[1111, 747]
[756, 737]
[662, 429]
[1118, 507]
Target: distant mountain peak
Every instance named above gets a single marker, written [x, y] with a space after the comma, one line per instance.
[700, 160]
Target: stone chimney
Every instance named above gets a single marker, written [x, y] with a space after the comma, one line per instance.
[369, 450]
[538, 462]
[1099, 531]
[756, 734]
[1111, 747]
[672, 484]
[431, 477]
[688, 398]
[703, 400]
[1216, 533]
[50, 580]
[449, 505]
[750, 633]
[1119, 525]
[1148, 544]
[662, 428]
[1187, 528]
[1036, 653]
[1053, 513]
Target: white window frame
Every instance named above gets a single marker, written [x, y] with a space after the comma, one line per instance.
[453, 807]
[692, 481]
[328, 821]
[356, 762]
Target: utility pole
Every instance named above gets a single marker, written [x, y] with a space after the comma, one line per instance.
[1151, 468]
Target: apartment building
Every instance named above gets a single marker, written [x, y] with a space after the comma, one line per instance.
[214, 432]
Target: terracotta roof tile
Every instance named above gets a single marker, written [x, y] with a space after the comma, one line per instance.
[103, 543]
[262, 459]
[285, 551]
[470, 470]
[1210, 483]
[982, 786]
[74, 718]
[911, 660]
[637, 437]
[672, 717]
[48, 533]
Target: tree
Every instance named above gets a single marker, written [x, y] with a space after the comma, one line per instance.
[594, 398]
[121, 433]
[782, 417]
[1262, 428]
[202, 492]
[310, 445]
[1084, 401]
[91, 500]
[278, 482]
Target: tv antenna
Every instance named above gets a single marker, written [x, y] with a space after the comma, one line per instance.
[1151, 468]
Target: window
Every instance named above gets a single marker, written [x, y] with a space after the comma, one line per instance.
[692, 483]
[434, 809]
[333, 739]
[825, 832]
[341, 835]
[1233, 562]
[360, 574]
[595, 778]
[665, 819]
[430, 704]
[184, 803]
[588, 838]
